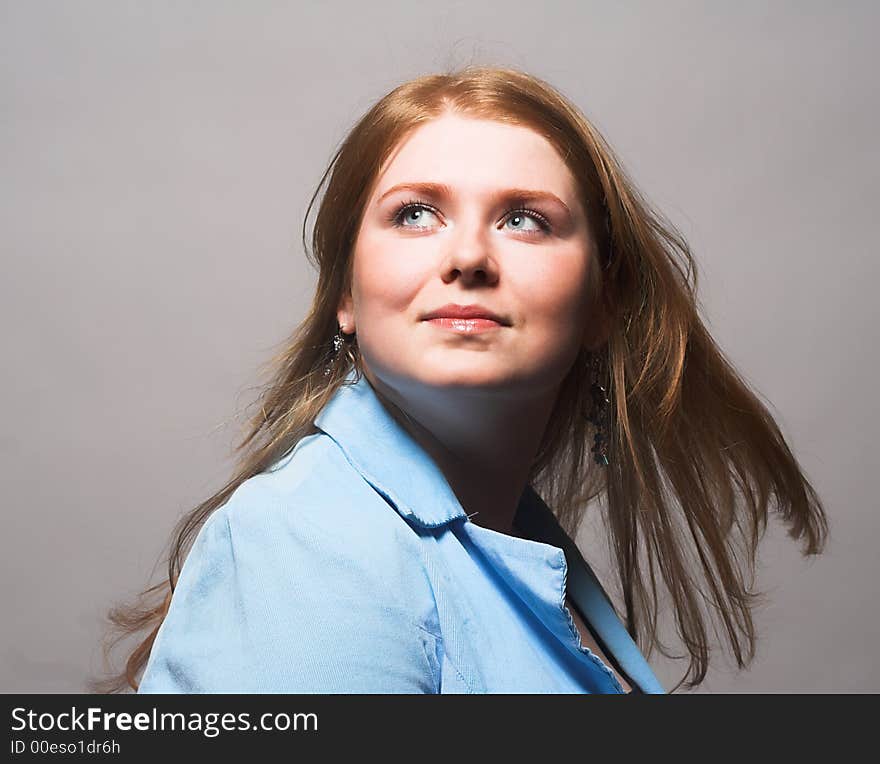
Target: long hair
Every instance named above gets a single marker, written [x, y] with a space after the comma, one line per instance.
[696, 458]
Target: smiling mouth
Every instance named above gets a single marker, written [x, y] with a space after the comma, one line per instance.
[464, 325]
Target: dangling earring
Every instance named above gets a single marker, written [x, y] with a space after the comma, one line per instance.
[599, 414]
[338, 342]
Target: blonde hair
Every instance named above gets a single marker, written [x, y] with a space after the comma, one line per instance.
[695, 456]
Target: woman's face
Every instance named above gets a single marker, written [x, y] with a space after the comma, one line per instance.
[475, 234]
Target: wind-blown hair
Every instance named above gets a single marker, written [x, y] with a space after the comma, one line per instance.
[696, 459]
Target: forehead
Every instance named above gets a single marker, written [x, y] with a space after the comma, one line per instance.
[475, 154]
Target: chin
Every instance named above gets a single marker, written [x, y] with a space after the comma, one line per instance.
[465, 376]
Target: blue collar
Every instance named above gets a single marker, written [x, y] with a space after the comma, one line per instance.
[367, 433]
[415, 486]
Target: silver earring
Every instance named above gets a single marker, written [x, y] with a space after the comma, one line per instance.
[338, 342]
[599, 415]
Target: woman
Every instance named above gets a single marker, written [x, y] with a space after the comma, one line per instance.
[497, 298]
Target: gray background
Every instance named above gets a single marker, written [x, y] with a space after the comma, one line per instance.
[157, 160]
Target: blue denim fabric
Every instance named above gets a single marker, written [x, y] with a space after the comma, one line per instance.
[351, 567]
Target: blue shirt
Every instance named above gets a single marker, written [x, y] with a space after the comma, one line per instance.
[351, 567]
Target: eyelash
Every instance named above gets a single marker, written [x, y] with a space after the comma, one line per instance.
[415, 203]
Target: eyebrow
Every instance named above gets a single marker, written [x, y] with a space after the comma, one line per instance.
[444, 191]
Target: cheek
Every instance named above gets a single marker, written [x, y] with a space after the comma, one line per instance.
[554, 298]
[387, 276]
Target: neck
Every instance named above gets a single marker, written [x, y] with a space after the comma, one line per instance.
[483, 441]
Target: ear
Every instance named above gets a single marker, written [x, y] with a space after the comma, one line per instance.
[345, 315]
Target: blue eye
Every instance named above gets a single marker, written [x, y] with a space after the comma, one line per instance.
[409, 207]
[543, 225]
[417, 206]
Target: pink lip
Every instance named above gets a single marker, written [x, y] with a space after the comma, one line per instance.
[465, 325]
[470, 312]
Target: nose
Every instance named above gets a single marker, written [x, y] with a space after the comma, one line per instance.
[470, 257]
